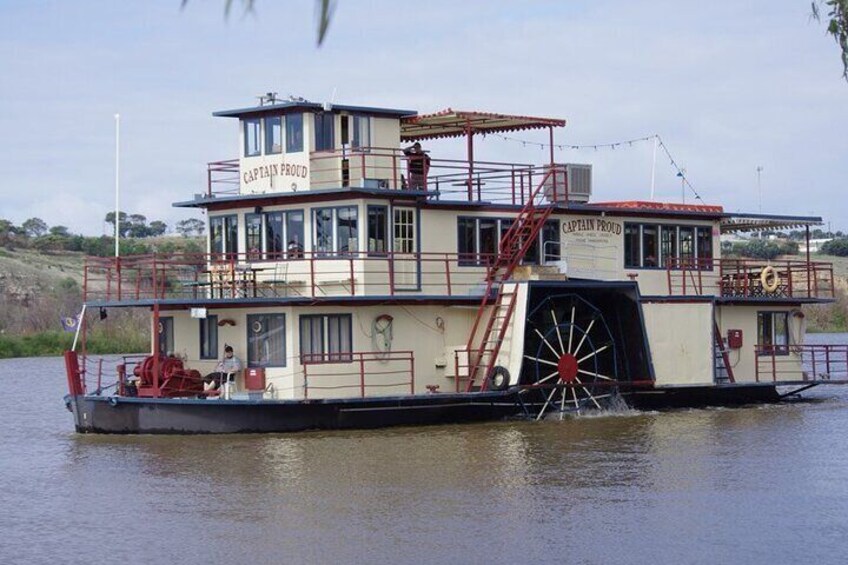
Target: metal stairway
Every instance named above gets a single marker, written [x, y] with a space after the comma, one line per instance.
[486, 338]
[723, 368]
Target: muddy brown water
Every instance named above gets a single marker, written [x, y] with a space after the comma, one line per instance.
[763, 484]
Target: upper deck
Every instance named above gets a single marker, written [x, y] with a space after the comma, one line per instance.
[324, 204]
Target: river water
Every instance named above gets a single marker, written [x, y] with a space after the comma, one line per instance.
[764, 484]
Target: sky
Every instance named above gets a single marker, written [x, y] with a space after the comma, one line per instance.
[729, 86]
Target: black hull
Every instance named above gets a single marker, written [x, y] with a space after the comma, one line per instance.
[111, 415]
[700, 397]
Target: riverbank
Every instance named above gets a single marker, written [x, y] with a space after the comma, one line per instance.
[51, 343]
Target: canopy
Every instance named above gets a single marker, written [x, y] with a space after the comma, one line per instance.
[762, 222]
[455, 123]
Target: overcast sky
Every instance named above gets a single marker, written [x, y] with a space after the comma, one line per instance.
[729, 86]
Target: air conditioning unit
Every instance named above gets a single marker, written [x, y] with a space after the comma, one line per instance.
[572, 179]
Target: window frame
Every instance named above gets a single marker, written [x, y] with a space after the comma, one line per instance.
[664, 245]
[778, 349]
[250, 320]
[324, 354]
[166, 335]
[324, 133]
[229, 226]
[385, 227]
[259, 140]
[268, 131]
[204, 325]
[335, 250]
[293, 132]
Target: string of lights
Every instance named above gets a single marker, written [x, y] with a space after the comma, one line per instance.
[681, 173]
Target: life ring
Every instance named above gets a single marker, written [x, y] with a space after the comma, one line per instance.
[499, 379]
[769, 279]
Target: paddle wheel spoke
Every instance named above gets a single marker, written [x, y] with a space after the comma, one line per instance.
[563, 389]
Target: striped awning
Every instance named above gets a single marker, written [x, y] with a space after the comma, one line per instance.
[455, 123]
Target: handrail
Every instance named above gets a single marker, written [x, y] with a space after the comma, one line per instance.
[303, 274]
[389, 168]
[390, 364]
[743, 278]
[814, 362]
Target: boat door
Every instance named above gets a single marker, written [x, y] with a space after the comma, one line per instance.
[406, 259]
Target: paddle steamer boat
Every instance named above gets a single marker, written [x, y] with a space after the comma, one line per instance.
[364, 285]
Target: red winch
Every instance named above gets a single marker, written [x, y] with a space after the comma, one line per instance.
[174, 379]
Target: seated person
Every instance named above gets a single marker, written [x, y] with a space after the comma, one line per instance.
[228, 365]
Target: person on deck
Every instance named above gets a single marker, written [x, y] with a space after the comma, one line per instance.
[418, 166]
[228, 365]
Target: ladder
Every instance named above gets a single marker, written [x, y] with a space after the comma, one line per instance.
[486, 337]
[723, 368]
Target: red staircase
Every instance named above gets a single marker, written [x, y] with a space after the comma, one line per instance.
[483, 349]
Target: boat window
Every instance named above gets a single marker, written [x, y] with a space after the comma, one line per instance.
[632, 248]
[273, 135]
[311, 338]
[687, 246]
[550, 241]
[339, 337]
[669, 246]
[361, 132]
[404, 231]
[773, 332]
[274, 235]
[347, 229]
[680, 246]
[488, 239]
[323, 244]
[324, 123]
[326, 338]
[266, 340]
[378, 227]
[223, 236]
[252, 145]
[253, 229]
[166, 335]
[294, 234]
[704, 246]
[650, 246]
[294, 133]
[336, 230]
[467, 241]
[209, 337]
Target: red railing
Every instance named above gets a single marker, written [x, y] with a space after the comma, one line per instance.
[801, 363]
[387, 168]
[359, 372]
[223, 178]
[295, 274]
[749, 278]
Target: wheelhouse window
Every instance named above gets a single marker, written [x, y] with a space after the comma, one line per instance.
[252, 139]
[670, 246]
[378, 230]
[266, 340]
[336, 230]
[223, 236]
[773, 332]
[324, 125]
[551, 250]
[326, 338]
[361, 137]
[208, 337]
[273, 135]
[294, 133]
